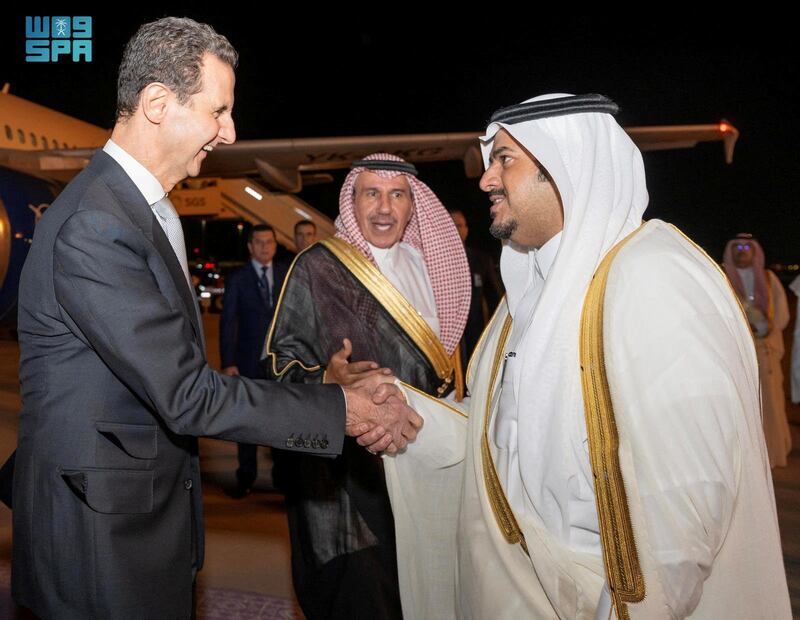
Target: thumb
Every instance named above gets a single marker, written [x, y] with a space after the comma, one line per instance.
[340, 357]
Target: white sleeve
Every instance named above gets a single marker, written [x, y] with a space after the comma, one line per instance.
[424, 486]
[682, 375]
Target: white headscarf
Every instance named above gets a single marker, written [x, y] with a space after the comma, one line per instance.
[600, 176]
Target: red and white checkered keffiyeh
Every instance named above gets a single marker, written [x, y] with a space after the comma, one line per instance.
[431, 231]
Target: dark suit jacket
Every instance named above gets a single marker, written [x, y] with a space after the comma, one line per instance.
[245, 318]
[115, 387]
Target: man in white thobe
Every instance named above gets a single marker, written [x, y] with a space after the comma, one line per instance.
[613, 461]
[764, 302]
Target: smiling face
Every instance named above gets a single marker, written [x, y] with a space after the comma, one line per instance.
[189, 132]
[525, 205]
[383, 207]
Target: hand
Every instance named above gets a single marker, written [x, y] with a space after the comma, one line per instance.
[346, 373]
[231, 371]
[381, 420]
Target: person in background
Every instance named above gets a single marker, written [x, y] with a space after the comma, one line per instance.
[251, 293]
[486, 288]
[305, 234]
[764, 303]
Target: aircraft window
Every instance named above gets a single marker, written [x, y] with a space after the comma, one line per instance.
[44, 142]
[21, 136]
[9, 133]
[33, 139]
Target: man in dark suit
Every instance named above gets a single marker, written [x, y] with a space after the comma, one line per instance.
[108, 518]
[247, 308]
[305, 234]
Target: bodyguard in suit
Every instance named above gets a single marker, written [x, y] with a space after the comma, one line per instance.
[108, 518]
[251, 294]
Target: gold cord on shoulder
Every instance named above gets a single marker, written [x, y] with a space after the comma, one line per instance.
[620, 557]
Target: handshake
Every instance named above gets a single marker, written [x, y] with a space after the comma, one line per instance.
[376, 410]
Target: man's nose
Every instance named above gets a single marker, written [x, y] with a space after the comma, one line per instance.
[227, 132]
[489, 180]
[384, 203]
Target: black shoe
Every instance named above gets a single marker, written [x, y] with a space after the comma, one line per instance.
[240, 491]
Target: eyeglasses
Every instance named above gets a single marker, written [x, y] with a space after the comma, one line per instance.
[743, 246]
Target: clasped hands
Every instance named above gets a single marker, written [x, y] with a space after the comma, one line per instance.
[377, 413]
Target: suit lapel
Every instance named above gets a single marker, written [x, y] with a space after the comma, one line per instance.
[174, 267]
[142, 215]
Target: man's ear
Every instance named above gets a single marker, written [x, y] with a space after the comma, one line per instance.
[153, 101]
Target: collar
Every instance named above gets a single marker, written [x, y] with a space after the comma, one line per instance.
[382, 255]
[144, 180]
[257, 266]
[545, 255]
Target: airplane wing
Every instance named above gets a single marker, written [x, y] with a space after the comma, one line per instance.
[659, 138]
[58, 165]
[289, 164]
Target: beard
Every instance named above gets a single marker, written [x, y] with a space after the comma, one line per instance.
[503, 230]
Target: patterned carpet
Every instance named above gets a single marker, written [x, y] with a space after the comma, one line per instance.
[212, 603]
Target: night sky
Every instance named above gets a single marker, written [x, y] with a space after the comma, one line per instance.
[363, 74]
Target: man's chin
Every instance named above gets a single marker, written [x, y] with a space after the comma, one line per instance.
[382, 239]
[503, 230]
[382, 243]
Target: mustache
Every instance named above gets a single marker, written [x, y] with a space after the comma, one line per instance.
[497, 192]
[382, 220]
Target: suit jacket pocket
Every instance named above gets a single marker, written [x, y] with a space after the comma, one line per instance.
[112, 491]
[125, 445]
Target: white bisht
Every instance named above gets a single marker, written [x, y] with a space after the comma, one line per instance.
[702, 537]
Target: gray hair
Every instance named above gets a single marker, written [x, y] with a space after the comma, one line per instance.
[169, 50]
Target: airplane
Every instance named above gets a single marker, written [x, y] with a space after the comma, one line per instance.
[257, 181]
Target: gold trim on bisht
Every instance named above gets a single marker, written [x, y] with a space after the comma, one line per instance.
[397, 306]
[482, 337]
[268, 353]
[719, 269]
[503, 514]
[441, 401]
[623, 570]
[458, 369]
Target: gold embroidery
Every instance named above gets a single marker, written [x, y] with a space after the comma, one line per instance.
[623, 571]
[494, 489]
[396, 305]
[267, 346]
[458, 372]
[483, 336]
[441, 402]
